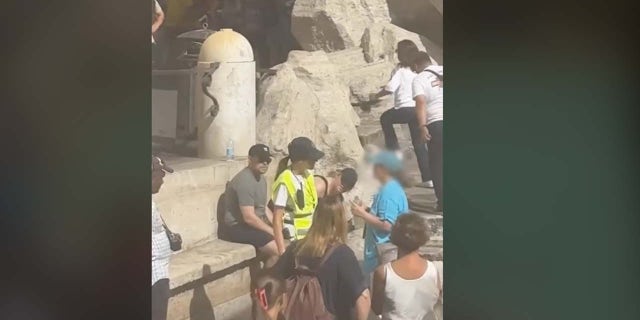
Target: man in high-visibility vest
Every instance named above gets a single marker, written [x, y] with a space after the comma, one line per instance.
[294, 191]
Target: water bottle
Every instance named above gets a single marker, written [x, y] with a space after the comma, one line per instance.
[229, 153]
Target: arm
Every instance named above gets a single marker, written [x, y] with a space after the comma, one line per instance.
[370, 219]
[279, 202]
[159, 19]
[363, 305]
[390, 88]
[420, 98]
[249, 216]
[321, 187]
[267, 210]
[379, 282]
[278, 215]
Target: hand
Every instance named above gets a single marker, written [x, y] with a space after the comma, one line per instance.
[358, 209]
[424, 134]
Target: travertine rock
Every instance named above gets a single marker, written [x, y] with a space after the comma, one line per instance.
[332, 25]
[423, 17]
[306, 98]
[361, 77]
[379, 41]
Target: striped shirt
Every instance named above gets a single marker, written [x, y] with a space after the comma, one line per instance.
[160, 248]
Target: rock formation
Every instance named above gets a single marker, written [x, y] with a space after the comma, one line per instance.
[306, 98]
[332, 25]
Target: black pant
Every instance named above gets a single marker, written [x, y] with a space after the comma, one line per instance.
[408, 116]
[159, 299]
[435, 157]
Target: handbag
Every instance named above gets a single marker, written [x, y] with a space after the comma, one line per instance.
[175, 240]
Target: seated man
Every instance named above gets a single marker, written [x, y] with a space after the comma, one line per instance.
[247, 219]
[335, 184]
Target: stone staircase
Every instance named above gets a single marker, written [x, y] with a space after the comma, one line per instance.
[209, 278]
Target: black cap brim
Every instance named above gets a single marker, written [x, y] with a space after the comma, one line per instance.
[316, 154]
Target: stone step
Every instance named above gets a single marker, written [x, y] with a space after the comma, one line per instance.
[207, 276]
[434, 223]
[189, 197]
[422, 200]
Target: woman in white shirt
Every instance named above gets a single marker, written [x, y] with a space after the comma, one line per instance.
[410, 287]
[403, 111]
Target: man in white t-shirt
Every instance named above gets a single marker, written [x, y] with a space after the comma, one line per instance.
[403, 111]
[427, 92]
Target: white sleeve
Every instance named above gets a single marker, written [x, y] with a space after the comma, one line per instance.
[158, 8]
[281, 197]
[417, 87]
[394, 83]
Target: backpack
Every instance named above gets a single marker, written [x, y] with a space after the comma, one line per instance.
[220, 212]
[305, 294]
[439, 76]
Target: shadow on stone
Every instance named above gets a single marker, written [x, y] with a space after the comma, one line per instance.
[201, 307]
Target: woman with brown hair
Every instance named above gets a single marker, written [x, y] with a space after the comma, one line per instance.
[409, 287]
[344, 290]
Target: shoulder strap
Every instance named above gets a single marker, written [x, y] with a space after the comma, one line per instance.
[439, 76]
[164, 224]
[327, 254]
[326, 184]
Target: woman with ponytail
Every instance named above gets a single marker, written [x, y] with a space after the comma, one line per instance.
[269, 295]
[294, 192]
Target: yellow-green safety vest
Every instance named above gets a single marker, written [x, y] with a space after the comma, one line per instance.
[302, 218]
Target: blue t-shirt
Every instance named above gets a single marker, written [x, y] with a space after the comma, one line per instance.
[388, 204]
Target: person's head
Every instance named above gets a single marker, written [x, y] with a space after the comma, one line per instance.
[406, 50]
[329, 227]
[259, 159]
[421, 60]
[158, 169]
[386, 165]
[343, 181]
[269, 291]
[409, 233]
[302, 153]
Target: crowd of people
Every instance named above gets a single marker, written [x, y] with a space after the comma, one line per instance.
[299, 224]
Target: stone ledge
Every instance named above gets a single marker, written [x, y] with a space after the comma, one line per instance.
[192, 175]
[217, 258]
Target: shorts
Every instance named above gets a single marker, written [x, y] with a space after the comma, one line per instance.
[242, 233]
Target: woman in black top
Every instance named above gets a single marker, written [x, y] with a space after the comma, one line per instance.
[345, 292]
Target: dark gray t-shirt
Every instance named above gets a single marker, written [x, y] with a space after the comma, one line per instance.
[245, 190]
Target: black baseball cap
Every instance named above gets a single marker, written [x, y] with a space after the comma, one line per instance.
[302, 148]
[260, 152]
